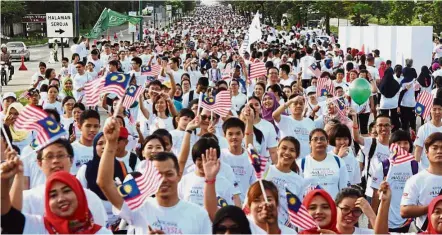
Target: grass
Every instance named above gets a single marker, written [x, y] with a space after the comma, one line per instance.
[29, 41]
[22, 101]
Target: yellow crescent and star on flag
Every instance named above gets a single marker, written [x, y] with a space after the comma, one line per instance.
[52, 126]
[120, 78]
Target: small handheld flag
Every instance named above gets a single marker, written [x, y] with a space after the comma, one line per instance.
[298, 215]
[152, 71]
[132, 94]
[135, 191]
[219, 104]
[324, 87]
[259, 163]
[257, 69]
[399, 155]
[92, 91]
[221, 202]
[424, 104]
[315, 70]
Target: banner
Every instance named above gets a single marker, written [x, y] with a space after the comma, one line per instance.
[253, 35]
[109, 18]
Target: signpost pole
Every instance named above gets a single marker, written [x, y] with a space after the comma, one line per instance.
[62, 49]
[133, 37]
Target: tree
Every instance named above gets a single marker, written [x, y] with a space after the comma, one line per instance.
[12, 12]
[360, 14]
[401, 13]
[380, 9]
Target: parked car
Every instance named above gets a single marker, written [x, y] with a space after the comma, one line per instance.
[51, 42]
[18, 49]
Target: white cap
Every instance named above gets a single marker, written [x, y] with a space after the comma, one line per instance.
[310, 89]
[9, 94]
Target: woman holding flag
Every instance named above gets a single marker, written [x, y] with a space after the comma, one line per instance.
[20, 138]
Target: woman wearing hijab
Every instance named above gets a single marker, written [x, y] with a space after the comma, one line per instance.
[20, 138]
[382, 68]
[87, 174]
[269, 105]
[322, 208]
[66, 208]
[67, 88]
[231, 220]
[425, 79]
[407, 97]
[389, 89]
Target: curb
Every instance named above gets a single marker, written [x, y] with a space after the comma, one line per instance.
[38, 45]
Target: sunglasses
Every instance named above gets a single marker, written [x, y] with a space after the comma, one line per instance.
[207, 117]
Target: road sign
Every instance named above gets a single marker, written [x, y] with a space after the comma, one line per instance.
[59, 25]
[132, 27]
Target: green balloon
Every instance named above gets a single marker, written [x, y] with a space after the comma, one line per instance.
[360, 90]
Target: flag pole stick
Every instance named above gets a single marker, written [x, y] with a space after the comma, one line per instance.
[264, 194]
[199, 104]
[120, 101]
[6, 136]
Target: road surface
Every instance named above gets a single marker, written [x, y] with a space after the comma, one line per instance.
[21, 80]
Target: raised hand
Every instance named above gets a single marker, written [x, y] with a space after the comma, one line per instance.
[192, 125]
[111, 129]
[385, 191]
[211, 164]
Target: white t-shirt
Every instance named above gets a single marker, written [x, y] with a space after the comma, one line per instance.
[191, 189]
[141, 79]
[98, 64]
[177, 75]
[269, 132]
[381, 153]
[34, 224]
[305, 62]
[177, 141]
[126, 160]
[182, 218]
[287, 82]
[398, 175]
[33, 203]
[363, 231]
[419, 191]
[156, 123]
[409, 100]
[242, 168]
[238, 101]
[353, 169]
[298, 129]
[422, 133]
[186, 97]
[31, 168]
[66, 122]
[438, 50]
[328, 174]
[374, 72]
[82, 154]
[255, 229]
[292, 181]
[56, 105]
[78, 81]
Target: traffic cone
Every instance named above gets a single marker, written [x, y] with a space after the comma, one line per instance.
[22, 66]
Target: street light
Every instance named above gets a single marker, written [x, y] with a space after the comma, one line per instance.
[420, 17]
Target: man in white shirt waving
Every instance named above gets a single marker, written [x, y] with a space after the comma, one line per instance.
[165, 212]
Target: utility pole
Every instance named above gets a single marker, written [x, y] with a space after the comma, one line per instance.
[141, 19]
[77, 17]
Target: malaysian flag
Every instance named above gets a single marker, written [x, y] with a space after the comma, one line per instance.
[399, 155]
[113, 83]
[132, 94]
[257, 69]
[340, 104]
[219, 104]
[324, 87]
[314, 69]
[221, 202]
[424, 103]
[298, 215]
[35, 119]
[151, 71]
[92, 91]
[135, 191]
[259, 163]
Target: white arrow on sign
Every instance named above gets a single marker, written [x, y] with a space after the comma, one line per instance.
[59, 25]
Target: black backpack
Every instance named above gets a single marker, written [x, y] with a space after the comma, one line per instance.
[373, 145]
[133, 161]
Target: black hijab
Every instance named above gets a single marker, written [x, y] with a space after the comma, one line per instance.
[92, 170]
[236, 215]
[424, 78]
[389, 87]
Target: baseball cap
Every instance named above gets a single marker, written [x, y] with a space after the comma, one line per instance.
[9, 94]
[310, 89]
[123, 133]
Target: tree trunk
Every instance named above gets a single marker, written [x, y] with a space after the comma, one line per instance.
[11, 29]
[327, 23]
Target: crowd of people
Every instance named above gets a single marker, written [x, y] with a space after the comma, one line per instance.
[326, 149]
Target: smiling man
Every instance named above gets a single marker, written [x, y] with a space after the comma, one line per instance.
[165, 212]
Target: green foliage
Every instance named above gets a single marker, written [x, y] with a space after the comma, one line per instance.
[401, 13]
[360, 14]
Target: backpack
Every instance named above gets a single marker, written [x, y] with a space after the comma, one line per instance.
[373, 145]
[386, 166]
[336, 159]
[191, 93]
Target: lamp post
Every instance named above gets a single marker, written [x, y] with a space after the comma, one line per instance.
[141, 20]
[420, 17]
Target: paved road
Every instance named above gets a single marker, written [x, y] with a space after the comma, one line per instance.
[21, 80]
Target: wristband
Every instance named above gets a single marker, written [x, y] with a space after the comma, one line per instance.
[248, 133]
[189, 131]
[355, 127]
[210, 181]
